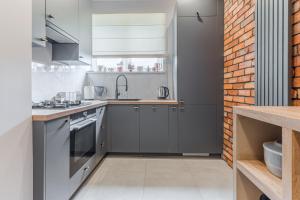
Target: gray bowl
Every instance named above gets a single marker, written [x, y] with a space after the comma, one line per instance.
[273, 157]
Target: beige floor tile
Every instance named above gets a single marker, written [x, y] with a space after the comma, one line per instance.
[144, 178]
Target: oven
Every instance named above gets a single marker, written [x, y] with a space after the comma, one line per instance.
[82, 139]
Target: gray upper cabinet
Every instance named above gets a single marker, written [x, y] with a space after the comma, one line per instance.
[198, 68]
[85, 31]
[198, 130]
[200, 75]
[38, 23]
[124, 128]
[191, 7]
[63, 15]
[154, 129]
[57, 162]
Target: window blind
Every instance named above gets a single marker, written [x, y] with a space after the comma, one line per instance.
[129, 34]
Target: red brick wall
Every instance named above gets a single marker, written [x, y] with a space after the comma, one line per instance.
[296, 51]
[239, 61]
[239, 23]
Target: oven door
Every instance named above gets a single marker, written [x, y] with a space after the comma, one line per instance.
[82, 143]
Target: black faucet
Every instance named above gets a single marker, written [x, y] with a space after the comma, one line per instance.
[117, 85]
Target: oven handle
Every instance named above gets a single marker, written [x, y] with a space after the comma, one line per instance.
[83, 125]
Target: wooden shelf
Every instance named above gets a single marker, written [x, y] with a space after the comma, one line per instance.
[257, 172]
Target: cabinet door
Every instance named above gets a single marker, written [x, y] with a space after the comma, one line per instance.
[85, 31]
[198, 129]
[191, 7]
[154, 129]
[38, 23]
[124, 128]
[64, 15]
[199, 72]
[100, 136]
[57, 159]
[173, 129]
[104, 141]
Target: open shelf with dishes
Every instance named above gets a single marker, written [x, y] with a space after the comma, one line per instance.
[252, 178]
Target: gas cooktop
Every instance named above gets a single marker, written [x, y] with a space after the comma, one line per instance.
[58, 105]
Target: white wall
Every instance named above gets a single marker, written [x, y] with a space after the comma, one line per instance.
[15, 101]
[49, 79]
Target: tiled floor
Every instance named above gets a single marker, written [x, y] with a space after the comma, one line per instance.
[144, 178]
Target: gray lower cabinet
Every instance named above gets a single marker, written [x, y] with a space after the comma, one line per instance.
[101, 134]
[57, 166]
[51, 164]
[198, 129]
[173, 129]
[124, 128]
[154, 129]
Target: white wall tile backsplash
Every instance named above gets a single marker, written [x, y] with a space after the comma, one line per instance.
[140, 86]
[48, 79]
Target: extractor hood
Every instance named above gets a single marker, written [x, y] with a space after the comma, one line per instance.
[68, 53]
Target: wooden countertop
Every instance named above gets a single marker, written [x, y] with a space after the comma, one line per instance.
[50, 114]
[143, 102]
[288, 117]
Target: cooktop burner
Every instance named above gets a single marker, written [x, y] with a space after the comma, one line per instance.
[58, 105]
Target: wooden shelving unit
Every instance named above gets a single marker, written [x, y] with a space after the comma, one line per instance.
[257, 172]
[252, 127]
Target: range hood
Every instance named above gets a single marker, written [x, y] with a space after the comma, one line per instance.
[57, 35]
[68, 53]
[65, 48]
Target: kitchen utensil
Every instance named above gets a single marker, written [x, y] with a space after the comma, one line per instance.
[94, 92]
[163, 92]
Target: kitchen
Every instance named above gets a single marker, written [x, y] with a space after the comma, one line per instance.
[130, 99]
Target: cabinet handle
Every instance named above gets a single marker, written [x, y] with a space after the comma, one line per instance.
[154, 108]
[182, 109]
[199, 18]
[136, 108]
[174, 108]
[181, 102]
[50, 16]
[85, 170]
[43, 39]
[81, 57]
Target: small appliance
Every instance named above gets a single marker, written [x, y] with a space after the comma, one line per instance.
[163, 92]
[94, 92]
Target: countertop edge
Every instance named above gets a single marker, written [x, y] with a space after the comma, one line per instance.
[287, 116]
[64, 113]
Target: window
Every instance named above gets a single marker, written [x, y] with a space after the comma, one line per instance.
[130, 43]
[130, 65]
